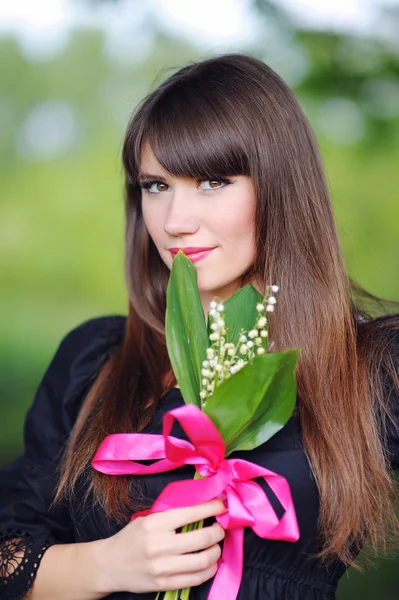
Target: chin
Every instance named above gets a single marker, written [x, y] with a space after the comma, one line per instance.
[215, 288]
[205, 284]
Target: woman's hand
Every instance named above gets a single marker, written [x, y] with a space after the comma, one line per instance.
[149, 556]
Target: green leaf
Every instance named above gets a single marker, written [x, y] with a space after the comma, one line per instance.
[275, 409]
[240, 312]
[185, 328]
[249, 407]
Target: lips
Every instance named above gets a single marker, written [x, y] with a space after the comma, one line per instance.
[191, 249]
[193, 253]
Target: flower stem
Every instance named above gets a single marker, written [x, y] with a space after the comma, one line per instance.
[185, 593]
[170, 595]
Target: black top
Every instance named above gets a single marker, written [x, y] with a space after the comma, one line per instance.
[272, 569]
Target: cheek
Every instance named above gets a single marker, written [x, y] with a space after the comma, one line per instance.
[237, 225]
[151, 222]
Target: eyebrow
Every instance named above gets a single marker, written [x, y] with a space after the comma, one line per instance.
[144, 176]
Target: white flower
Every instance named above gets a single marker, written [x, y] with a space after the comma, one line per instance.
[233, 369]
[213, 313]
[263, 333]
[214, 337]
[205, 363]
[271, 300]
[260, 307]
[243, 339]
[205, 372]
[275, 288]
[204, 382]
[262, 322]
[214, 326]
[218, 368]
[258, 341]
[210, 353]
[270, 308]
[243, 349]
[253, 333]
[213, 304]
[202, 394]
[250, 344]
[231, 351]
[260, 350]
[220, 308]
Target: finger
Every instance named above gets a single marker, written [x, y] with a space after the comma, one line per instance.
[194, 541]
[188, 563]
[180, 582]
[179, 517]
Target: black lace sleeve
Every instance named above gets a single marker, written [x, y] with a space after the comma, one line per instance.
[20, 555]
[29, 523]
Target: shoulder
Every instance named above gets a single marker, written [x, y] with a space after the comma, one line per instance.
[91, 338]
[107, 328]
[382, 335]
[380, 340]
[74, 366]
[84, 348]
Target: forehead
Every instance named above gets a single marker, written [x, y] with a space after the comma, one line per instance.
[148, 160]
[181, 155]
[149, 165]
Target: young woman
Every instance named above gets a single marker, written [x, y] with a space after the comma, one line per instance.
[221, 157]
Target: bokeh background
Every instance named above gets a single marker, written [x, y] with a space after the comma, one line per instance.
[71, 74]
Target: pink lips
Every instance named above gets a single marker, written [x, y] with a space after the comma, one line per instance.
[194, 254]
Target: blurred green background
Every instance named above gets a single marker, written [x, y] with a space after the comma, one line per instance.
[64, 106]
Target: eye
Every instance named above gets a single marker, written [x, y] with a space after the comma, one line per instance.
[154, 187]
[208, 185]
[215, 183]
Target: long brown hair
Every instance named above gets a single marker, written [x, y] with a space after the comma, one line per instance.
[234, 115]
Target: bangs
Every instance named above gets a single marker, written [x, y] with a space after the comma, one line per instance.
[193, 134]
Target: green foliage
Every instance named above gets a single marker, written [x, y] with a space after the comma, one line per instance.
[185, 328]
[252, 405]
[239, 312]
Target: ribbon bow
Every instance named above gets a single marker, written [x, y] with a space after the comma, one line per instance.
[247, 505]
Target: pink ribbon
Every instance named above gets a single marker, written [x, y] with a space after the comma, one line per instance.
[247, 505]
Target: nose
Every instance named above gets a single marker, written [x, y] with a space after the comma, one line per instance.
[181, 217]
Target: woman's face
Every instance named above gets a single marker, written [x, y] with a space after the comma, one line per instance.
[217, 214]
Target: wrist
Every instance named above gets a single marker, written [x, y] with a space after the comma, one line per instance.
[99, 567]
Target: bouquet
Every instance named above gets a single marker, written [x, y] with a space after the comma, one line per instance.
[237, 396]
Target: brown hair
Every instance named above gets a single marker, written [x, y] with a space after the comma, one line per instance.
[234, 115]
